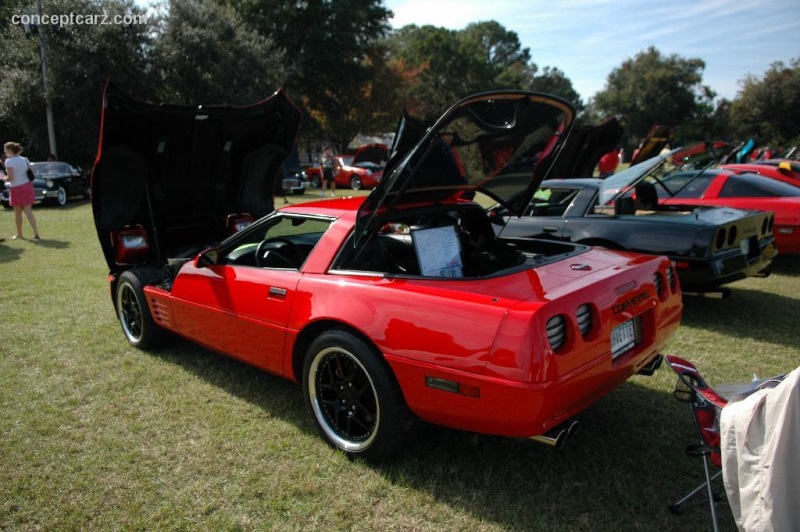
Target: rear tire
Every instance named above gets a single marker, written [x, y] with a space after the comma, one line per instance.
[355, 183]
[356, 404]
[133, 313]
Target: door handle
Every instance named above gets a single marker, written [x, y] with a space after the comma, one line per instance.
[549, 229]
[275, 291]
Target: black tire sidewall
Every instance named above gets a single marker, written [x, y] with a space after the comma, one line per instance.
[152, 336]
[394, 417]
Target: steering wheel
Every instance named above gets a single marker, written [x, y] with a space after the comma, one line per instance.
[279, 250]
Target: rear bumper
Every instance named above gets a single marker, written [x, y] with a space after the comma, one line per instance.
[705, 274]
[511, 408]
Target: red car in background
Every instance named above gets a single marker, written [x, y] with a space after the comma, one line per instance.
[786, 171]
[363, 169]
[742, 191]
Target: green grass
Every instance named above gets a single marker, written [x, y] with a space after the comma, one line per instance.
[96, 435]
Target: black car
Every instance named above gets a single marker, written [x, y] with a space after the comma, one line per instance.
[622, 212]
[55, 182]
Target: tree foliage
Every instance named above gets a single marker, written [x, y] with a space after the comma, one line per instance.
[80, 57]
[342, 65]
[653, 89]
[205, 53]
[328, 46]
[768, 109]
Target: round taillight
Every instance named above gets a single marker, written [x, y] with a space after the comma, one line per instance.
[556, 332]
[584, 319]
[672, 279]
[732, 234]
[659, 282]
[720, 239]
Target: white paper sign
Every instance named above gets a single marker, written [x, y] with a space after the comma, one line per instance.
[438, 251]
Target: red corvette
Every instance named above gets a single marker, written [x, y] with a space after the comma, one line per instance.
[786, 171]
[363, 169]
[398, 306]
[742, 191]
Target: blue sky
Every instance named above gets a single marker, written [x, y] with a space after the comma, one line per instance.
[587, 39]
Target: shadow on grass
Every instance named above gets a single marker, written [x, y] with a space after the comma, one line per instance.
[606, 478]
[9, 254]
[761, 316]
[787, 265]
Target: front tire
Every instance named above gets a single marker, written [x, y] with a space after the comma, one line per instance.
[356, 404]
[61, 196]
[134, 316]
[355, 183]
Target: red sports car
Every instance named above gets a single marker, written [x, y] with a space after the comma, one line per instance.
[363, 169]
[389, 308]
[742, 191]
[786, 171]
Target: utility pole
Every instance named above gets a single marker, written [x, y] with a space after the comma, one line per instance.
[51, 127]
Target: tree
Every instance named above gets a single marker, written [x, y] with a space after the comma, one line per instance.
[80, 57]
[205, 53]
[653, 89]
[768, 109]
[328, 47]
[554, 81]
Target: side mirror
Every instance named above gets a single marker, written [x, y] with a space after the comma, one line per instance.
[207, 258]
[785, 168]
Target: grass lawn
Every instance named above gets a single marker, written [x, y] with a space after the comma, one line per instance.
[96, 435]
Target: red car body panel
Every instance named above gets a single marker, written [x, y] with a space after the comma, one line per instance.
[525, 388]
[786, 209]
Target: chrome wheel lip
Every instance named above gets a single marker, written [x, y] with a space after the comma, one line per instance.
[340, 440]
[129, 312]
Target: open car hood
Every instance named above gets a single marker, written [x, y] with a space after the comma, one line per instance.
[178, 172]
[585, 146]
[652, 144]
[371, 153]
[500, 143]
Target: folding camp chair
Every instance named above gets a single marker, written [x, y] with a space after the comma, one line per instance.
[706, 405]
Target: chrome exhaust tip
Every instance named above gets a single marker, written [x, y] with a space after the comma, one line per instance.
[558, 435]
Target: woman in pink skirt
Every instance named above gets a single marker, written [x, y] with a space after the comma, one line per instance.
[22, 196]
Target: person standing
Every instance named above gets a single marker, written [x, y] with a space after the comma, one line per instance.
[328, 167]
[21, 193]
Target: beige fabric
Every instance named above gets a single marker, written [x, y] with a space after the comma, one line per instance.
[760, 449]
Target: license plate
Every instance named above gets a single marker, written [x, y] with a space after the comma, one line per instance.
[622, 338]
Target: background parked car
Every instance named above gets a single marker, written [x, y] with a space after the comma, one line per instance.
[742, 191]
[622, 212]
[363, 169]
[55, 183]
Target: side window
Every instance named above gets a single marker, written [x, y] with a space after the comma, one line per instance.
[285, 242]
[688, 187]
[737, 187]
[551, 201]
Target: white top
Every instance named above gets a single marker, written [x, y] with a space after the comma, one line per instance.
[20, 166]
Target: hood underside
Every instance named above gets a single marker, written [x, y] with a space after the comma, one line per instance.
[180, 171]
[584, 148]
[499, 143]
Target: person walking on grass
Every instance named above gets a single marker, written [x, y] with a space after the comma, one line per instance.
[328, 167]
[21, 193]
